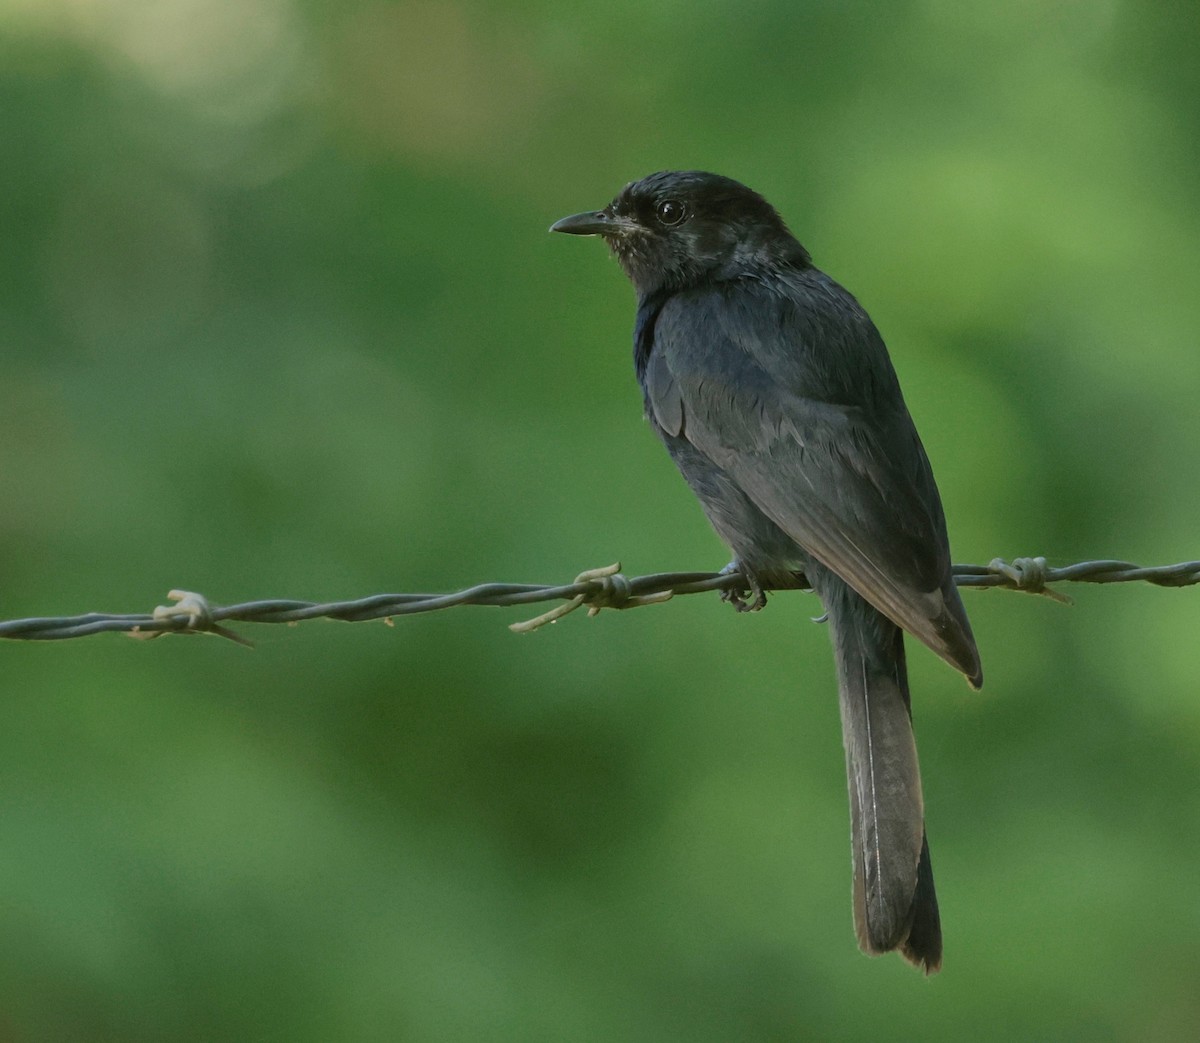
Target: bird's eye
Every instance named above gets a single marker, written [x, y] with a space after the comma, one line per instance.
[671, 212]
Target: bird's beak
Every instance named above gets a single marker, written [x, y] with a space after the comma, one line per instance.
[594, 222]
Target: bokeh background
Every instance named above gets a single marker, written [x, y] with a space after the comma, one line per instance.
[280, 317]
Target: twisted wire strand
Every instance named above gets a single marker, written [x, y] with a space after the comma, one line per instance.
[596, 589]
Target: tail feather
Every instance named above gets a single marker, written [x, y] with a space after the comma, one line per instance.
[895, 905]
[923, 946]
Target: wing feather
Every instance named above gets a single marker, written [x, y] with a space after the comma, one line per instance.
[821, 443]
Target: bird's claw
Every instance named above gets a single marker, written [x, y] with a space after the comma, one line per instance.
[736, 596]
[738, 601]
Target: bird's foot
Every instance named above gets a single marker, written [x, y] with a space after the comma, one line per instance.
[737, 596]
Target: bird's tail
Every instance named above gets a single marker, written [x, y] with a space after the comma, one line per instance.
[895, 906]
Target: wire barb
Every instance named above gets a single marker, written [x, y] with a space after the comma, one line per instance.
[190, 615]
[598, 589]
[1030, 575]
[191, 606]
[607, 588]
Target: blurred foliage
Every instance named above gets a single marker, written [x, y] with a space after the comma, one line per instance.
[281, 318]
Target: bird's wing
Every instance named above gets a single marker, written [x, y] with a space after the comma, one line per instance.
[741, 380]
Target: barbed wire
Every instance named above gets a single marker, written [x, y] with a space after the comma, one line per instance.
[596, 589]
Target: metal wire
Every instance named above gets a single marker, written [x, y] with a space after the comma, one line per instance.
[597, 589]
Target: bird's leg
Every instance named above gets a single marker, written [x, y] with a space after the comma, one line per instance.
[736, 596]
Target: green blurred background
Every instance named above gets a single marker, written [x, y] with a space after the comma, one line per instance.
[281, 318]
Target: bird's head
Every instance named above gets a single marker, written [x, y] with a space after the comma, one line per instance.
[679, 228]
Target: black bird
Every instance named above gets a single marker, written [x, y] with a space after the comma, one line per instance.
[775, 396]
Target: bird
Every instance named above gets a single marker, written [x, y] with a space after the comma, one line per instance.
[776, 398]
